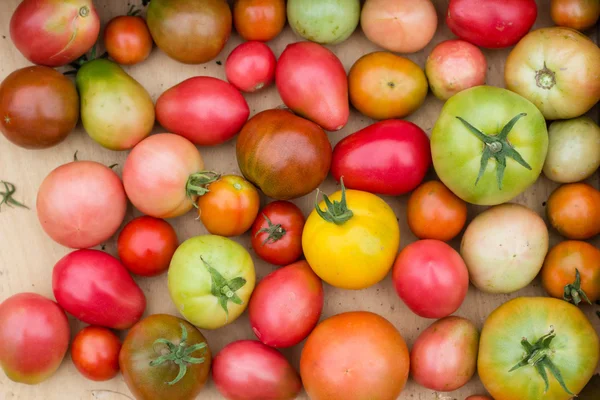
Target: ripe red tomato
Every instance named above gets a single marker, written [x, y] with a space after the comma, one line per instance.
[576, 14]
[251, 66]
[127, 39]
[574, 211]
[259, 20]
[95, 353]
[277, 233]
[146, 246]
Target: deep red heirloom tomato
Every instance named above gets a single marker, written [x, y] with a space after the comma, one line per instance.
[95, 353]
[127, 39]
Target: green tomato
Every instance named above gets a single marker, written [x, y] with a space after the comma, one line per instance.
[211, 279]
[324, 21]
[489, 145]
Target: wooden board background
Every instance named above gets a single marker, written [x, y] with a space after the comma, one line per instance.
[27, 255]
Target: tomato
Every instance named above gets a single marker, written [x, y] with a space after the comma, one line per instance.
[453, 66]
[127, 38]
[146, 246]
[286, 305]
[95, 353]
[34, 337]
[388, 157]
[399, 26]
[556, 69]
[559, 337]
[312, 82]
[353, 356]
[249, 370]
[211, 279]
[192, 32]
[96, 289]
[277, 233]
[573, 150]
[356, 229]
[576, 14]
[284, 155]
[504, 248]
[493, 24]
[324, 21]
[434, 212]
[81, 204]
[574, 211]
[383, 85]
[54, 33]
[205, 110]
[229, 207]
[444, 356]
[515, 137]
[39, 107]
[476, 397]
[165, 358]
[260, 20]
[251, 66]
[430, 278]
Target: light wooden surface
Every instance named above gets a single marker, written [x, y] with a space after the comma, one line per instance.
[27, 255]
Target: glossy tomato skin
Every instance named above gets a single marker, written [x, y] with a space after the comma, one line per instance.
[574, 211]
[279, 241]
[491, 24]
[250, 370]
[95, 288]
[286, 305]
[260, 20]
[389, 157]
[576, 14]
[95, 353]
[354, 356]
[146, 246]
[431, 278]
[323, 21]
[34, 337]
[54, 32]
[251, 66]
[128, 40]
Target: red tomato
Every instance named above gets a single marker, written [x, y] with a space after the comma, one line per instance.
[431, 278]
[286, 305]
[576, 14]
[389, 157]
[492, 24]
[127, 39]
[277, 233]
[259, 19]
[205, 110]
[95, 288]
[34, 337]
[95, 353]
[146, 246]
[251, 66]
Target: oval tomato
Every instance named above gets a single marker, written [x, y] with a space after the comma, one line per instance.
[127, 39]
[576, 14]
[323, 21]
[260, 20]
[388, 157]
[251, 66]
[359, 354]
[95, 353]
[430, 278]
[34, 337]
[489, 145]
[574, 211]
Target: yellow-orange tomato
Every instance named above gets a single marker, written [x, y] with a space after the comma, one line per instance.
[229, 207]
[574, 211]
[260, 20]
[434, 212]
[383, 85]
[128, 40]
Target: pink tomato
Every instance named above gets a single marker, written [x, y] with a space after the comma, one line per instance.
[251, 66]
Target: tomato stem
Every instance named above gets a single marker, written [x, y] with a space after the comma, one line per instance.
[545, 78]
[275, 231]
[224, 290]
[573, 292]
[197, 184]
[7, 196]
[338, 211]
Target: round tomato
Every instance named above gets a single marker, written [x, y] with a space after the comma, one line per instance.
[535, 348]
[434, 212]
[211, 279]
[277, 233]
[260, 20]
[352, 243]
[323, 21]
[229, 207]
[251, 66]
[574, 211]
[127, 39]
[431, 278]
[489, 145]
[165, 358]
[383, 85]
[146, 246]
[95, 353]
[576, 14]
[353, 356]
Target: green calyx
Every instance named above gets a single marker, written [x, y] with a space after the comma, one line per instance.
[573, 292]
[538, 355]
[180, 354]
[498, 147]
[6, 197]
[197, 184]
[223, 289]
[274, 232]
[338, 211]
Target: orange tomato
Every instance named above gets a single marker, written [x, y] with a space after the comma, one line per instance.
[434, 212]
[127, 39]
[574, 211]
[576, 14]
[229, 207]
[260, 20]
[383, 85]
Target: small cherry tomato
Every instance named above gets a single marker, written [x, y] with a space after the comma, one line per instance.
[146, 246]
[277, 233]
[260, 20]
[127, 39]
[251, 66]
[574, 211]
[576, 14]
[95, 353]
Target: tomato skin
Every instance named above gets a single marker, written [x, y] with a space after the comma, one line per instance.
[323, 21]
[574, 211]
[127, 39]
[95, 353]
[288, 248]
[251, 66]
[389, 157]
[34, 337]
[576, 14]
[260, 20]
[476, 397]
